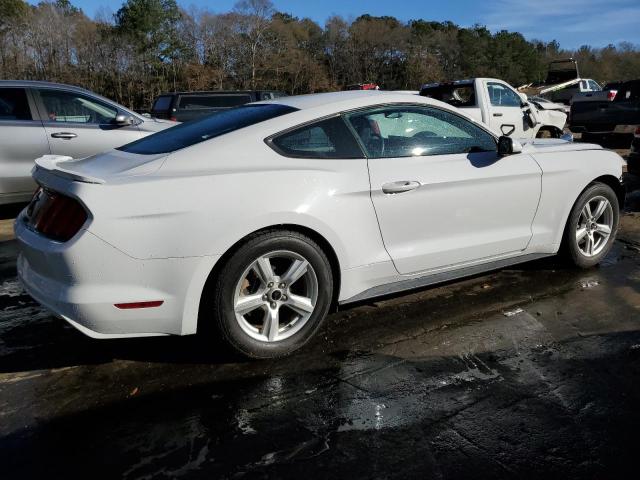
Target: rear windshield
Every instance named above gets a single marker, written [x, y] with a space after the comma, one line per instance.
[162, 103]
[199, 102]
[461, 95]
[190, 133]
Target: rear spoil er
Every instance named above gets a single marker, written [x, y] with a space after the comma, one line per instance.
[51, 163]
[442, 277]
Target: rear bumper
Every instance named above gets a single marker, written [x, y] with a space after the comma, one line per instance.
[83, 279]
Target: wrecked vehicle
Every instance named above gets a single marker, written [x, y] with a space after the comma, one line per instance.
[497, 104]
[615, 110]
[562, 84]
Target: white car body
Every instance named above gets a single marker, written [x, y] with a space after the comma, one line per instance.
[159, 224]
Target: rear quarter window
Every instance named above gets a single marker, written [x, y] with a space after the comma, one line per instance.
[206, 128]
[14, 104]
[328, 138]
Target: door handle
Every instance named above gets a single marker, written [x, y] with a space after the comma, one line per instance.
[497, 114]
[65, 135]
[400, 186]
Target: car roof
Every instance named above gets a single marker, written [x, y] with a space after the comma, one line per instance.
[340, 100]
[38, 83]
[63, 86]
[316, 105]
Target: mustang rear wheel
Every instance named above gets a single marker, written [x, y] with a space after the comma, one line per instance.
[592, 225]
[272, 294]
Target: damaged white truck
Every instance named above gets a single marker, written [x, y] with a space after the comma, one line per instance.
[500, 106]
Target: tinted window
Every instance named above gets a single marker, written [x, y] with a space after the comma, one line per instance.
[456, 95]
[162, 103]
[14, 104]
[69, 107]
[212, 101]
[190, 133]
[502, 96]
[329, 138]
[414, 131]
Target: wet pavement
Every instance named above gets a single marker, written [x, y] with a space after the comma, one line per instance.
[530, 372]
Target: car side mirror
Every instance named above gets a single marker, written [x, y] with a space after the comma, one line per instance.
[123, 120]
[508, 146]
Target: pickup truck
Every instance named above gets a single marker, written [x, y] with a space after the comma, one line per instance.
[562, 83]
[500, 106]
[616, 110]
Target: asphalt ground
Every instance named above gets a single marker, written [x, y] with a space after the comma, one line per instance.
[529, 372]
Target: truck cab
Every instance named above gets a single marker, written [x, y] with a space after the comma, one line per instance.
[497, 104]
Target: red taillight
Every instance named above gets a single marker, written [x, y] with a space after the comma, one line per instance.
[55, 215]
[173, 119]
[611, 95]
[637, 132]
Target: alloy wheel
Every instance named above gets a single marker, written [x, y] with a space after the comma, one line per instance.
[275, 296]
[594, 227]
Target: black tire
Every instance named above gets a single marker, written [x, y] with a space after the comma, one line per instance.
[225, 284]
[570, 245]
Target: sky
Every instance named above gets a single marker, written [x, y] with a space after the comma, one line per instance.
[571, 22]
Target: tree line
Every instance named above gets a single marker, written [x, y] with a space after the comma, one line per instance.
[152, 46]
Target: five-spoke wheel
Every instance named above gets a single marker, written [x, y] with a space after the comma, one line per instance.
[275, 296]
[592, 225]
[272, 293]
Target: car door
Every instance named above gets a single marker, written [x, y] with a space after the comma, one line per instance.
[505, 111]
[22, 139]
[443, 196]
[80, 125]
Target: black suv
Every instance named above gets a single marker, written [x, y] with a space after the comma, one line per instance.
[184, 106]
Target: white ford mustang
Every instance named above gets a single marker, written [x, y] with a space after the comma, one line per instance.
[260, 219]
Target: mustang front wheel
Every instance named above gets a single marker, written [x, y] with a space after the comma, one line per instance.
[592, 225]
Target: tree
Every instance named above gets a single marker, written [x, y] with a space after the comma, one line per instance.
[254, 17]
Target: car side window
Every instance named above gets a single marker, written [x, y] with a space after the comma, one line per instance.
[594, 86]
[70, 107]
[502, 96]
[14, 104]
[405, 131]
[330, 138]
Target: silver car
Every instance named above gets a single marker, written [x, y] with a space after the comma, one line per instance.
[39, 118]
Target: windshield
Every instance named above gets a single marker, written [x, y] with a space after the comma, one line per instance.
[190, 133]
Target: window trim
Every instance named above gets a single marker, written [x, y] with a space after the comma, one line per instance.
[42, 115]
[420, 105]
[270, 139]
